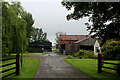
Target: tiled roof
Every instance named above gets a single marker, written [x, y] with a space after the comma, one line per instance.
[82, 40]
[88, 41]
[73, 37]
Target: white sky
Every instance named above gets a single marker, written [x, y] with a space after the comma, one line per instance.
[50, 15]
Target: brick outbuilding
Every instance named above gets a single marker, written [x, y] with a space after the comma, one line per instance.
[64, 39]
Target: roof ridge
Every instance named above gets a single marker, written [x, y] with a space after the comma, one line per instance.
[82, 39]
[74, 35]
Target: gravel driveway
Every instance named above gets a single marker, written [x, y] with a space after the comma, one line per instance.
[52, 65]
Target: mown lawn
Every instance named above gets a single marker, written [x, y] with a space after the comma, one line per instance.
[29, 69]
[53, 49]
[89, 67]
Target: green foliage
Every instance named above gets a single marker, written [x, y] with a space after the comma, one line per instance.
[105, 20]
[69, 57]
[14, 27]
[80, 53]
[38, 34]
[90, 54]
[29, 29]
[111, 49]
[84, 54]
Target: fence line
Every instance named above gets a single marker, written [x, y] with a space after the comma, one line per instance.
[17, 67]
[100, 65]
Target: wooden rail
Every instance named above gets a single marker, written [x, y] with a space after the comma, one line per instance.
[8, 70]
[17, 67]
[8, 64]
[110, 63]
[100, 65]
[108, 68]
[7, 59]
[8, 75]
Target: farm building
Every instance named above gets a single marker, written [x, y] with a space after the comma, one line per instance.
[86, 43]
[40, 46]
[65, 39]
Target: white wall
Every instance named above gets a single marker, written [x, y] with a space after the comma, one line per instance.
[96, 45]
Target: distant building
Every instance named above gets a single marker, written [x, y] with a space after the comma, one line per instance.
[86, 43]
[64, 39]
[40, 46]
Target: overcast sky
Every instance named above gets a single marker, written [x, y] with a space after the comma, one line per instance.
[50, 15]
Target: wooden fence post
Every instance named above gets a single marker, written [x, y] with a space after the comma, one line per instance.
[21, 59]
[17, 64]
[99, 63]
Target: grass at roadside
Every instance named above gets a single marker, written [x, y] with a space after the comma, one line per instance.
[30, 66]
[61, 54]
[89, 67]
[43, 53]
[53, 49]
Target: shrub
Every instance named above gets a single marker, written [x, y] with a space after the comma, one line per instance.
[80, 54]
[111, 49]
[70, 57]
[90, 54]
[85, 54]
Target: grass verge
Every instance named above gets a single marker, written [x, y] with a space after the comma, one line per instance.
[29, 69]
[89, 67]
[43, 53]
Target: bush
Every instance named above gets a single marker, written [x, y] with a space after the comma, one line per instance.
[90, 54]
[111, 49]
[80, 54]
[85, 54]
[70, 57]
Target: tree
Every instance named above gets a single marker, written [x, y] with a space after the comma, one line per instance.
[14, 38]
[38, 34]
[57, 36]
[111, 49]
[24, 15]
[28, 18]
[17, 8]
[105, 17]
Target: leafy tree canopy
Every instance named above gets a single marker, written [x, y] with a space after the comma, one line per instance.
[28, 18]
[111, 49]
[38, 34]
[14, 27]
[105, 17]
